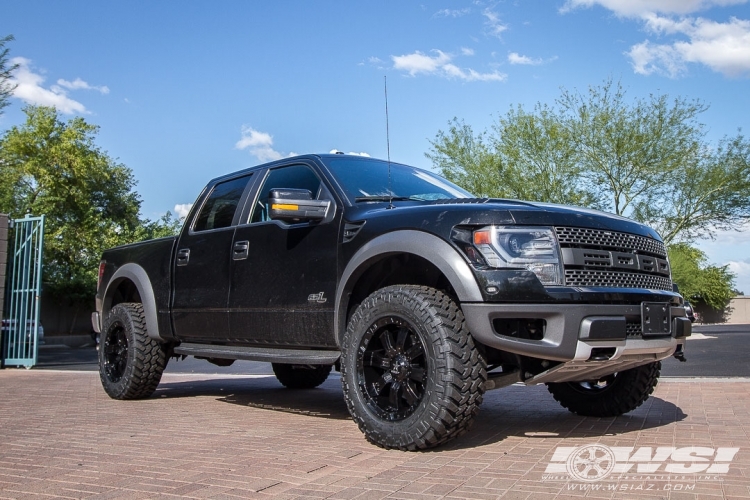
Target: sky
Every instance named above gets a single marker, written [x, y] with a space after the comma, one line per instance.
[186, 91]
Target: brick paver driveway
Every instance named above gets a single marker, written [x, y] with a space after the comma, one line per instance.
[247, 437]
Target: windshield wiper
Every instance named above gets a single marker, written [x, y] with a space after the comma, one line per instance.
[384, 198]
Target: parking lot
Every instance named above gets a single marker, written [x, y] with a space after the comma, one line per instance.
[209, 435]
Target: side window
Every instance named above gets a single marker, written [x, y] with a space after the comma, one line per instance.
[292, 177]
[218, 209]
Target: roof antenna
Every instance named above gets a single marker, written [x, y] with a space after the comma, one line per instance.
[388, 142]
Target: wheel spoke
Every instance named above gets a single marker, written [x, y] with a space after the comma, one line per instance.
[387, 341]
[403, 333]
[410, 394]
[414, 351]
[393, 396]
[380, 384]
[376, 359]
[417, 373]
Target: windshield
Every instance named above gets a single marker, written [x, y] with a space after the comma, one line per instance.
[367, 178]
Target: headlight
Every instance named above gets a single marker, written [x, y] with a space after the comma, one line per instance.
[532, 248]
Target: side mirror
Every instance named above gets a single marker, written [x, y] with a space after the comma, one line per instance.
[296, 205]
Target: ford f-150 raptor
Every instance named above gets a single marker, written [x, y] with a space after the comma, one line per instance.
[421, 295]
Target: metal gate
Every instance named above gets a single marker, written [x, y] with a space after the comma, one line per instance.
[20, 331]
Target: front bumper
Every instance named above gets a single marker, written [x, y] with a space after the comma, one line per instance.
[583, 341]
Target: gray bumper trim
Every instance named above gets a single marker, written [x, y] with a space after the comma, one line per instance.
[561, 339]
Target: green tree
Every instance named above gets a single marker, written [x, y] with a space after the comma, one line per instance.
[52, 167]
[166, 225]
[630, 153]
[698, 280]
[647, 159]
[467, 160]
[525, 156]
[6, 70]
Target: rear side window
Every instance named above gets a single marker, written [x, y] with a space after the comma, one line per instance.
[218, 209]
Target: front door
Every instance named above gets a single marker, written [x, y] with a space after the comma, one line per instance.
[283, 278]
[202, 265]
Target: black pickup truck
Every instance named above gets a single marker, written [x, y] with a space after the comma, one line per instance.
[420, 294]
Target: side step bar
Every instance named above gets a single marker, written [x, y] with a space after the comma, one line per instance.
[268, 354]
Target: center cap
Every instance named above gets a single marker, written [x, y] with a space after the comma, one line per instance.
[400, 367]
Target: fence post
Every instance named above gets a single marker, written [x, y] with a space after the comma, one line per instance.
[3, 259]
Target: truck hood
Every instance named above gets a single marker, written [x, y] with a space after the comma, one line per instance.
[484, 211]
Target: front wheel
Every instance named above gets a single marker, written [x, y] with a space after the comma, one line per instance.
[130, 362]
[411, 374]
[608, 396]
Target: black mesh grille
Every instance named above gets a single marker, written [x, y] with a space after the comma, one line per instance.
[611, 259]
[576, 236]
[633, 330]
[616, 279]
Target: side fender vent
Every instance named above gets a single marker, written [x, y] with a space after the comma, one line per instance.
[351, 230]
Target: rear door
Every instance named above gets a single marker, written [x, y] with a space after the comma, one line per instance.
[202, 264]
[283, 278]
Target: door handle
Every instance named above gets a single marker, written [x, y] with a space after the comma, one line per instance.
[240, 250]
[183, 256]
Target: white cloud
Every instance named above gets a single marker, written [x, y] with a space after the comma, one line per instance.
[741, 271]
[451, 12]
[723, 47]
[418, 62]
[80, 84]
[516, 58]
[440, 65]
[740, 268]
[259, 144]
[494, 26]
[638, 8]
[182, 209]
[30, 90]
[467, 51]
[334, 151]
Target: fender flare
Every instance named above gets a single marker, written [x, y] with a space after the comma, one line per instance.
[138, 276]
[428, 246]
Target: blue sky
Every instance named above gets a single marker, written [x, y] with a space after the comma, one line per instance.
[186, 91]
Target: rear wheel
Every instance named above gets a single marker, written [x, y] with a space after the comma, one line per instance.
[611, 395]
[411, 375]
[301, 376]
[130, 362]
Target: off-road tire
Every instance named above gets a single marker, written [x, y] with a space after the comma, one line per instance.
[130, 362]
[301, 376]
[624, 391]
[446, 374]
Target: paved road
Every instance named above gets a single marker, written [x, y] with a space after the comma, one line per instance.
[713, 351]
[217, 437]
[245, 437]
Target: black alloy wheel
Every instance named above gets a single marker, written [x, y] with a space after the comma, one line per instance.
[115, 352]
[391, 368]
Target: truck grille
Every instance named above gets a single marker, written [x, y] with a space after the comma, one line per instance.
[597, 238]
[611, 259]
[575, 277]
